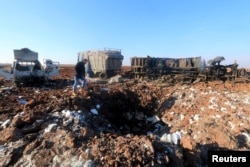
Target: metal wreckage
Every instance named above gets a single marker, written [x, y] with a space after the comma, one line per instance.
[188, 70]
[108, 62]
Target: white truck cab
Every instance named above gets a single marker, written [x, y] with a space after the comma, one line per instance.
[51, 68]
[26, 67]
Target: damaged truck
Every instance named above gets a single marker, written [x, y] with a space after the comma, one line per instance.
[28, 70]
[102, 63]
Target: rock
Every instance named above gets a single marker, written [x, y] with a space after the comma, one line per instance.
[50, 128]
[17, 122]
[94, 111]
[172, 138]
[31, 103]
[11, 153]
[176, 158]
[10, 134]
[188, 143]
[115, 79]
[5, 123]
[139, 115]
[70, 140]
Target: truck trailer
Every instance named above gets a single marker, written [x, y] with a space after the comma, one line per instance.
[102, 63]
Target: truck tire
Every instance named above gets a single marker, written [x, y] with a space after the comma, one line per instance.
[103, 75]
[18, 84]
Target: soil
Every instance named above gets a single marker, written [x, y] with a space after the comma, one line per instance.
[125, 122]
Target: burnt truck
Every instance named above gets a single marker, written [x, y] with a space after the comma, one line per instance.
[28, 70]
[102, 63]
[155, 67]
[191, 69]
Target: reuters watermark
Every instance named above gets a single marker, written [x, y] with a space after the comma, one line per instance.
[229, 158]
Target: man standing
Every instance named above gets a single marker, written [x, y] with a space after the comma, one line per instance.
[80, 74]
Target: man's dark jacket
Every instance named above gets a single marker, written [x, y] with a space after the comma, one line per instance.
[80, 69]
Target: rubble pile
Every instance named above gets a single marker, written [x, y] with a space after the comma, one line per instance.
[125, 123]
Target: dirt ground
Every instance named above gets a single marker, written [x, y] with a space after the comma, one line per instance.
[125, 123]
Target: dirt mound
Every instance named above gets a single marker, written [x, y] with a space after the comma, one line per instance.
[121, 124]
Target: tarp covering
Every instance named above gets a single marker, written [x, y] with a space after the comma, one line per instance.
[25, 54]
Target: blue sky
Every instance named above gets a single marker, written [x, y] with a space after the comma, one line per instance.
[59, 29]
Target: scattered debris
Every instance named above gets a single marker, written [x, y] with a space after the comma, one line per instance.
[121, 124]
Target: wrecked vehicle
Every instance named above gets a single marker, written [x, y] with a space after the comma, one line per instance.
[187, 70]
[102, 63]
[27, 69]
[179, 69]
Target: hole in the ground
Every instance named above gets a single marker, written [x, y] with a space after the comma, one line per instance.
[130, 112]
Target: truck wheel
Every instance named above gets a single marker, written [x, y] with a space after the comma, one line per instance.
[242, 72]
[103, 75]
[17, 84]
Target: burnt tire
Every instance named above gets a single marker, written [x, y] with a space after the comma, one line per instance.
[18, 84]
[103, 75]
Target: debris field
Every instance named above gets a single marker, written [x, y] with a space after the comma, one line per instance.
[121, 122]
